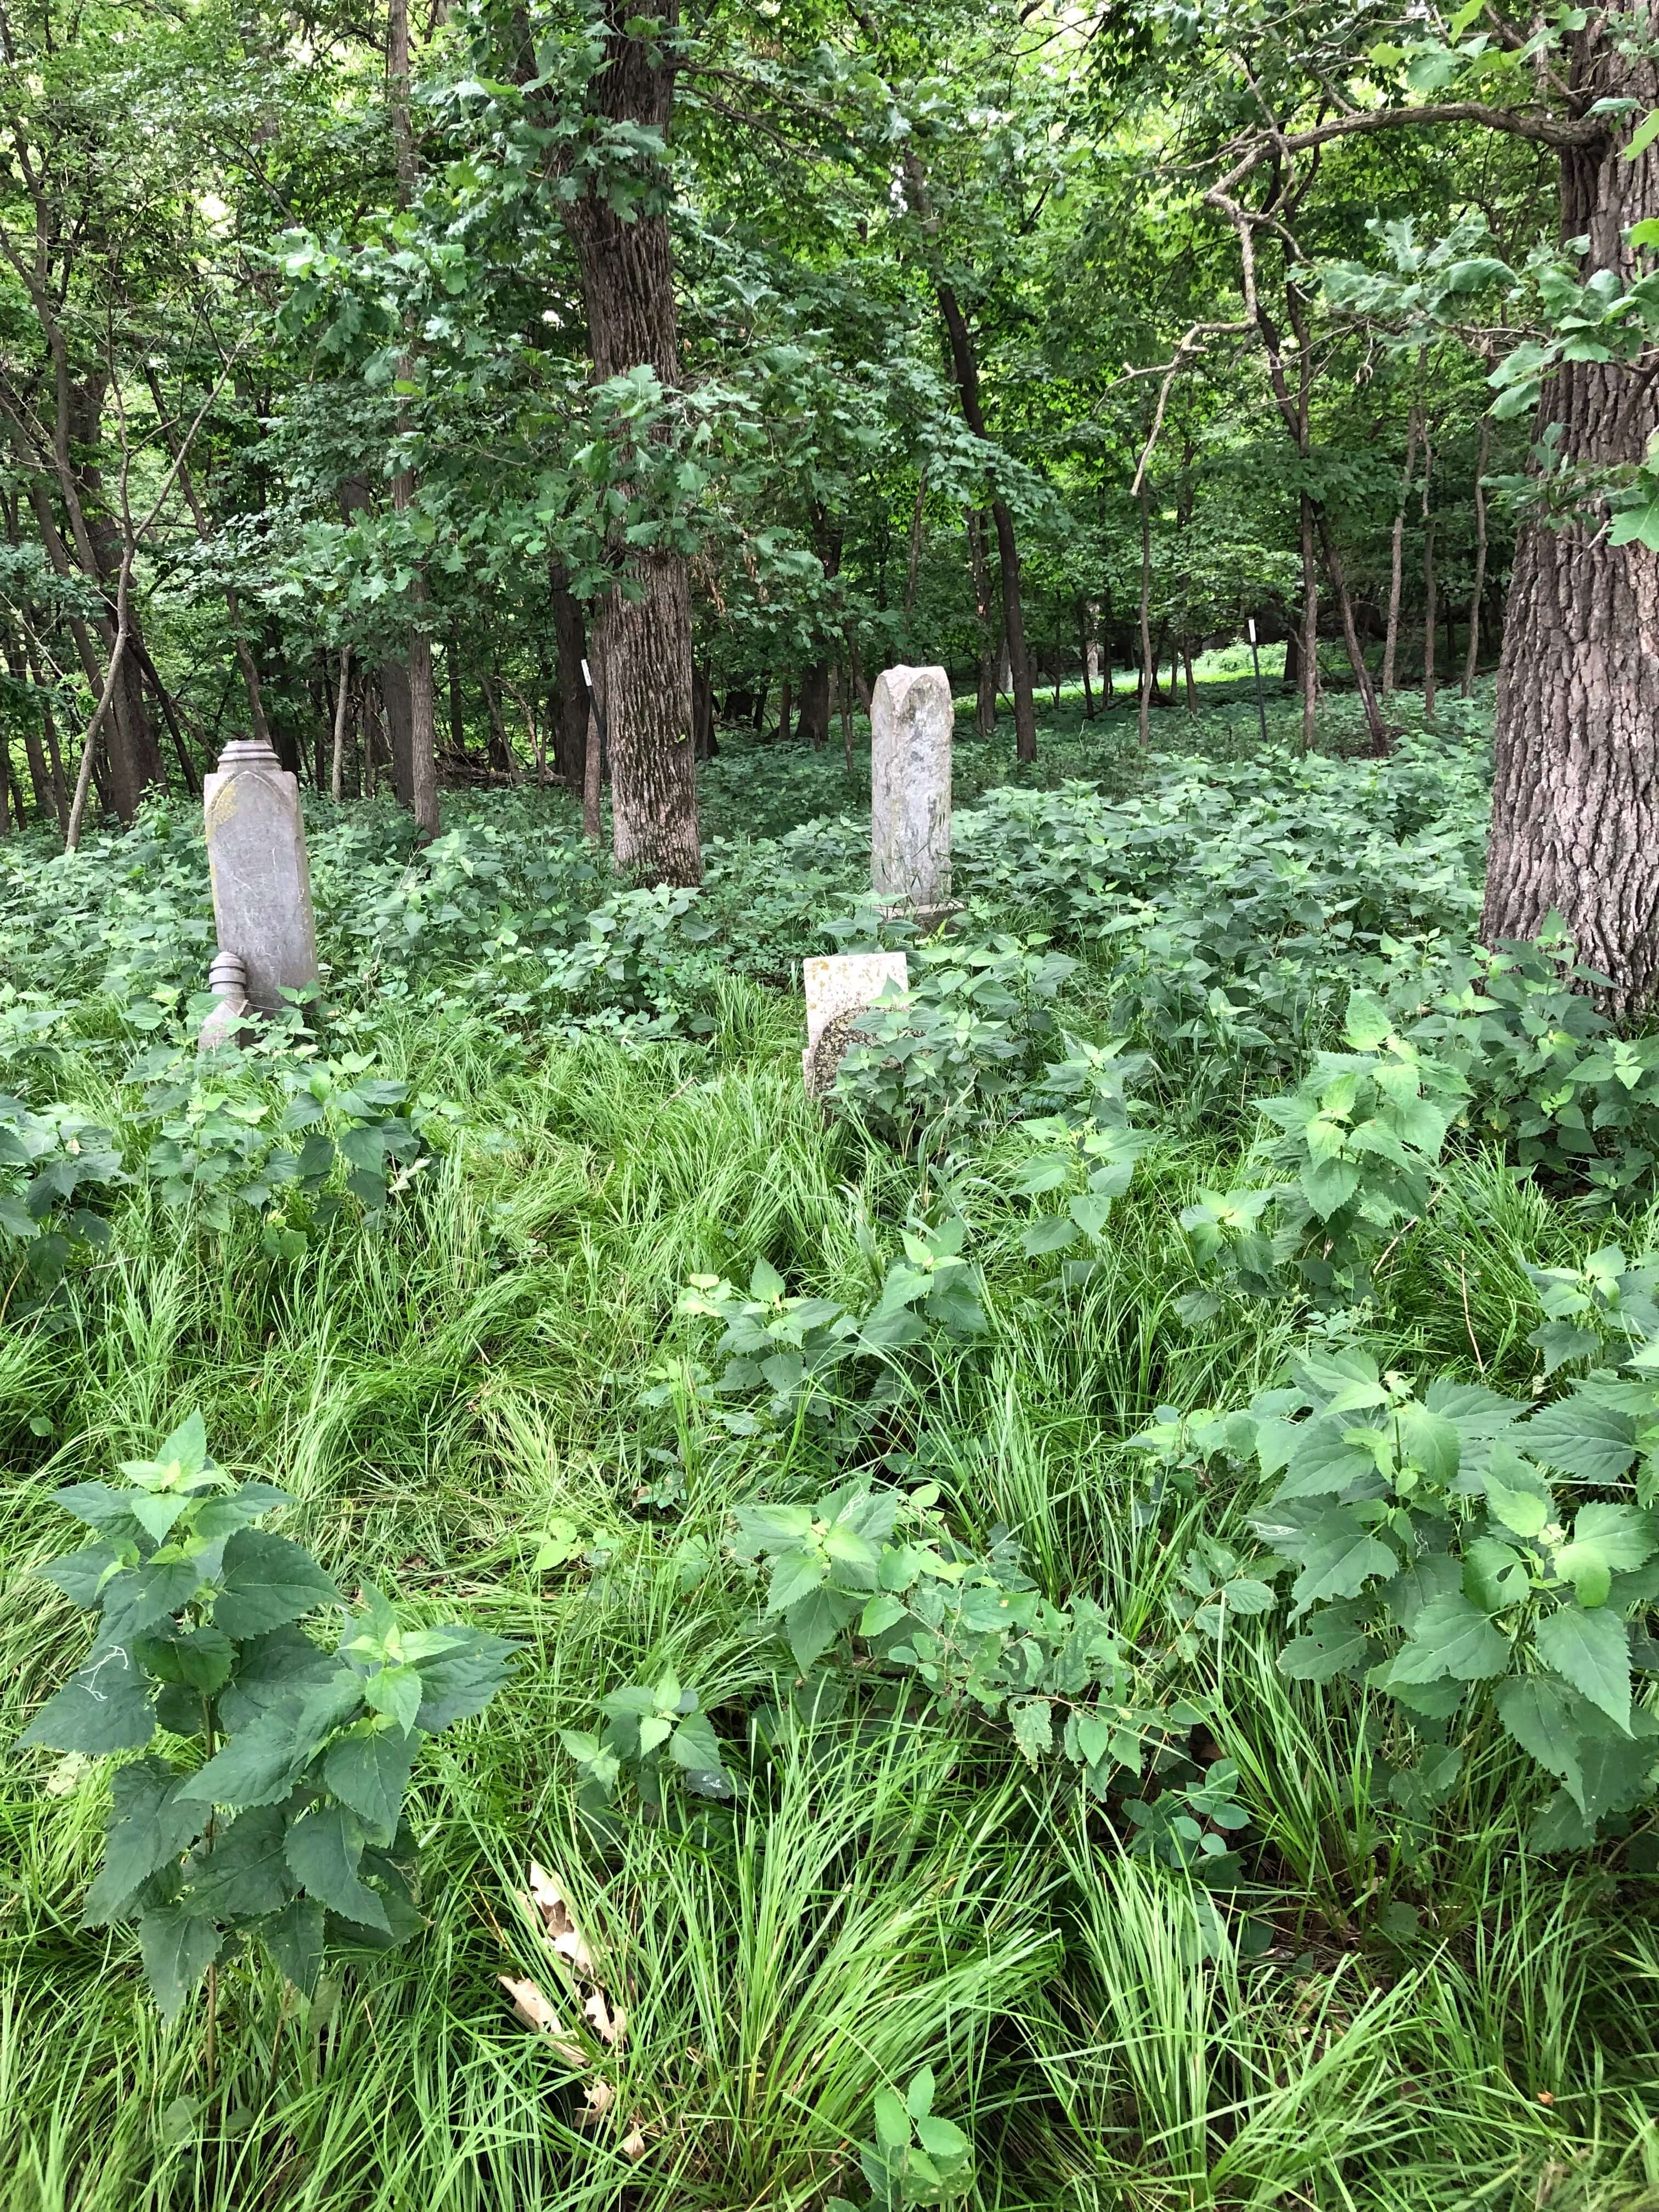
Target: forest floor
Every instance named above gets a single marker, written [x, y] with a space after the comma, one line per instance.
[489, 1398]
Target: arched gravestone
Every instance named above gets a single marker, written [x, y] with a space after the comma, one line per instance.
[256, 842]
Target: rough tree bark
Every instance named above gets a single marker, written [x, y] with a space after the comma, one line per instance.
[1575, 822]
[642, 642]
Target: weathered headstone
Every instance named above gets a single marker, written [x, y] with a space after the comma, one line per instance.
[911, 720]
[256, 843]
[840, 987]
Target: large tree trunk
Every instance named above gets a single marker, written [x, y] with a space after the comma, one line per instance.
[1575, 822]
[642, 643]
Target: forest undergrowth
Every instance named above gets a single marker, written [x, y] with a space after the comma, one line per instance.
[523, 1264]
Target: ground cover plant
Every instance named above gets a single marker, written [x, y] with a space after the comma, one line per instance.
[1074, 1630]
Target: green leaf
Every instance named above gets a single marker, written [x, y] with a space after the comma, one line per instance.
[148, 1827]
[103, 1706]
[1341, 1557]
[1596, 1443]
[1451, 1637]
[892, 2121]
[813, 1622]
[368, 1768]
[156, 1515]
[695, 1747]
[1624, 1534]
[1590, 1651]
[177, 1948]
[1033, 1720]
[793, 1576]
[1092, 1214]
[461, 1680]
[324, 1851]
[294, 1938]
[1430, 1442]
[1336, 1641]
[261, 1763]
[1522, 1510]
[398, 1691]
[267, 1582]
[919, 2097]
[244, 1874]
[1643, 137]
[1054, 1232]
[1537, 1714]
[198, 1658]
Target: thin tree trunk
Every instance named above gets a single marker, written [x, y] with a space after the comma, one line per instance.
[846, 711]
[457, 704]
[1472, 659]
[1431, 611]
[985, 703]
[915, 547]
[1356, 651]
[569, 649]
[1146, 619]
[782, 731]
[1086, 648]
[1310, 627]
[337, 766]
[1391, 635]
[423, 705]
[965, 369]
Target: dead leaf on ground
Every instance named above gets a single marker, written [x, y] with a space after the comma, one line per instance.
[547, 1901]
[607, 2026]
[633, 2144]
[530, 2007]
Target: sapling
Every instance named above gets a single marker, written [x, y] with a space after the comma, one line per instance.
[268, 1801]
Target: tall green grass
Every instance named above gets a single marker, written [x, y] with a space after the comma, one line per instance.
[894, 1888]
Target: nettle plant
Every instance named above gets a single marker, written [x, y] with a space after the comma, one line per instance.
[1440, 1549]
[271, 1125]
[785, 1349]
[1359, 1139]
[868, 1586]
[273, 1810]
[965, 1037]
[1088, 1140]
[53, 1161]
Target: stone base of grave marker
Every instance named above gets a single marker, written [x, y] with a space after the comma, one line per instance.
[839, 987]
[911, 722]
[256, 844]
[228, 1021]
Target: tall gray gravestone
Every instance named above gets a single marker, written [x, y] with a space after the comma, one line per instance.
[256, 842]
[911, 720]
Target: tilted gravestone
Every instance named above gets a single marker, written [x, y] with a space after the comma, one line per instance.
[256, 843]
[840, 986]
[911, 720]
